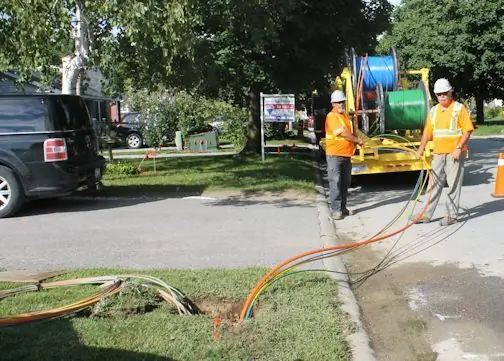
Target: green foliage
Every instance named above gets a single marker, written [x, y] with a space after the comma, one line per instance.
[248, 46]
[234, 120]
[121, 168]
[34, 36]
[164, 112]
[455, 39]
[493, 112]
[133, 43]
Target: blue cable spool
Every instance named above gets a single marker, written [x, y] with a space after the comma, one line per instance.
[382, 70]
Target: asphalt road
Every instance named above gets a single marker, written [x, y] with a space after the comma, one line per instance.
[462, 307]
[157, 233]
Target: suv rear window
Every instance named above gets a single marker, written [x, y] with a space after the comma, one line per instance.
[70, 113]
[22, 114]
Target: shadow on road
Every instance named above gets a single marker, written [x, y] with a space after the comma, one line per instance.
[57, 340]
[84, 202]
[277, 199]
[370, 191]
[487, 208]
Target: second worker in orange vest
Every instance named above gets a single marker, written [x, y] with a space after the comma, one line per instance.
[449, 126]
[340, 146]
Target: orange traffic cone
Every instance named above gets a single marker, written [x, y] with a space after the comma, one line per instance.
[499, 178]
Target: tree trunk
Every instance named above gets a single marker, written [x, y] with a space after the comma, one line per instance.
[79, 86]
[253, 144]
[73, 65]
[480, 114]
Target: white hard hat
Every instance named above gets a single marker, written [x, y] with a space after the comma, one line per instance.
[337, 96]
[442, 85]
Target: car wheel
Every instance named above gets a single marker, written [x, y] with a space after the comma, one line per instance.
[11, 193]
[134, 141]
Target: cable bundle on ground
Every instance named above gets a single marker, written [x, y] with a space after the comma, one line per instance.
[111, 285]
[286, 268]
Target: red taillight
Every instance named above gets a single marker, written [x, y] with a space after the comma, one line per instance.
[55, 150]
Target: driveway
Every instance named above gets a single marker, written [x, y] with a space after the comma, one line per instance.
[443, 298]
[217, 230]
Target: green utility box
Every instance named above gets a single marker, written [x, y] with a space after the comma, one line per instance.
[202, 142]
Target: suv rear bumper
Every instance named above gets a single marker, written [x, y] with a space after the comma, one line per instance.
[65, 179]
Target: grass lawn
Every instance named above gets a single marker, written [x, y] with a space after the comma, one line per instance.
[198, 174]
[493, 129]
[117, 152]
[297, 318]
[287, 142]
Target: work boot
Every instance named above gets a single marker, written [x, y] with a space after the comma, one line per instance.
[337, 215]
[447, 221]
[346, 212]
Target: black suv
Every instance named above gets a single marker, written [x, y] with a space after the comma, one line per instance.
[47, 148]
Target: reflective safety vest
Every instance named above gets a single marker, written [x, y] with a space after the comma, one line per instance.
[331, 136]
[453, 131]
[446, 140]
[337, 145]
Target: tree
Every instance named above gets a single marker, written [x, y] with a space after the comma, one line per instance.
[456, 39]
[131, 42]
[289, 46]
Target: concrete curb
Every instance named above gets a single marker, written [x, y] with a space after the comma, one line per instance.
[359, 341]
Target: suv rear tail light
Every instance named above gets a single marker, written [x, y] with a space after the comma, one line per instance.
[55, 150]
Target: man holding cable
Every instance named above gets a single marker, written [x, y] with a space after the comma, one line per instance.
[449, 125]
[340, 147]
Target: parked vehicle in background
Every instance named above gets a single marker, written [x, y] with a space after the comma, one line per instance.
[48, 149]
[129, 129]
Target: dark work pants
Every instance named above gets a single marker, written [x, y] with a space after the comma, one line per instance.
[339, 174]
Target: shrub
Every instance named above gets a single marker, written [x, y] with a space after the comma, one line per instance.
[165, 111]
[493, 112]
[121, 169]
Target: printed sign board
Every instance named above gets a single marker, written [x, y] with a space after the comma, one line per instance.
[276, 108]
[279, 108]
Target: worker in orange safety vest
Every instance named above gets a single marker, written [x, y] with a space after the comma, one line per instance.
[449, 125]
[340, 146]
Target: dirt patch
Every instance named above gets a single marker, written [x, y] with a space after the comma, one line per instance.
[227, 312]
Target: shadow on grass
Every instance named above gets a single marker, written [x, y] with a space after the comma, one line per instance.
[57, 340]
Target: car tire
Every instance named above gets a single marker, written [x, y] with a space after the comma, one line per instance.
[11, 193]
[134, 141]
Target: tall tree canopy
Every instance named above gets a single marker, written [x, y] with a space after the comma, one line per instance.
[131, 42]
[231, 49]
[288, 46]
[457, 39]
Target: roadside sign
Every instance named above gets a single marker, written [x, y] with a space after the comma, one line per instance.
[276, 108]
[279, 108]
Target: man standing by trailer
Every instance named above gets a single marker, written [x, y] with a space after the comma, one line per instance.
[340, 147]
[449, 125]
